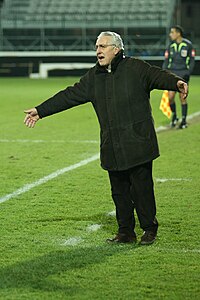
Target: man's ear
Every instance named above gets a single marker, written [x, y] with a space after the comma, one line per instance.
[116, 50]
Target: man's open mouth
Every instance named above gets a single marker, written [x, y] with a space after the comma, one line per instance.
[100, 57]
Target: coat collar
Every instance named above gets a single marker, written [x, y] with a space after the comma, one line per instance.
[116, 60]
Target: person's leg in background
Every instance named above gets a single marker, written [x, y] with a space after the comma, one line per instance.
[172, 103]
[184, 107]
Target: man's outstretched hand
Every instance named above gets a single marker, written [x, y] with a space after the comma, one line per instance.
[31, 117]
[183, 89]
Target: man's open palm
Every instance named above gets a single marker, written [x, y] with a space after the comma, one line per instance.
[31, 117]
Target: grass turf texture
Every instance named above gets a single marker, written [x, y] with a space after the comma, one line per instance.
[35, 261]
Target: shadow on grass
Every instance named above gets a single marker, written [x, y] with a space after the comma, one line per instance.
[56, 271]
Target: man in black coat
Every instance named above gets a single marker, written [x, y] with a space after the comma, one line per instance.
[119, 89]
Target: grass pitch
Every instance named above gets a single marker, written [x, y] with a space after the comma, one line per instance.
[52, 238]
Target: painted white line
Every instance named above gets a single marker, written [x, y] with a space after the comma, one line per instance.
[86, 141]
[28, 187]
[51, 176]
[73, 241]
[93, 227]
[172, 250]
[162, 128]
[172, 179]
[158, 129]
[194, 115]
[46, 141]
[111, 213]
[167, 127]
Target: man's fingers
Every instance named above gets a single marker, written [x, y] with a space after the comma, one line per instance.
[30, 123]
[183, 87]
[26, 118]
[31, 111]
[185, 90]
[31, 117]
[184, 95]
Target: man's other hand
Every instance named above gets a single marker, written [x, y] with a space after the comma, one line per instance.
[183, 89]
[31, 117]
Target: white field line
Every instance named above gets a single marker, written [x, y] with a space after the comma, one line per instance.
[93, 227]
[160, 180]
[40, 181]
[48, 141]
[158, 129]
[168, 250]
[51, 176]
[111, 213]
[73, 241]
[190, 117]
[194, 115]
[178, 250]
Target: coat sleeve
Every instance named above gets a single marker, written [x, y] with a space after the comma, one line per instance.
[65, 99]
[154, 77]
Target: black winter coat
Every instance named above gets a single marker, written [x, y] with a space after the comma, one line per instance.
[121, 101]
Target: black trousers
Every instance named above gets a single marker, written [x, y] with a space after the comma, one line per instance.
[134, 189]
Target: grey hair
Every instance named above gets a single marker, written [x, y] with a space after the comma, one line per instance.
[117, 40]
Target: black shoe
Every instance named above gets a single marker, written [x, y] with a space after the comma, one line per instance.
[148, 238]
[123, 238]
[174, 121]
[183, 125]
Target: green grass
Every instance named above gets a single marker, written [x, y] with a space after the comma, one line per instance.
[35, 263]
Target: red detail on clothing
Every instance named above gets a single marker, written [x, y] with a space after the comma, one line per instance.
[193, 53]
[166, 53]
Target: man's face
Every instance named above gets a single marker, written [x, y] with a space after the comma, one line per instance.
[174, 34]
[105, 50]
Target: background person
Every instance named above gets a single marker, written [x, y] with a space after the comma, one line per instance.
[179, 59]
[119, 89]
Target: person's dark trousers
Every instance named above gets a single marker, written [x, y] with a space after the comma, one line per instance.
[131, 189]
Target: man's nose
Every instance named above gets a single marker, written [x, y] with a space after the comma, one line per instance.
[98, 50]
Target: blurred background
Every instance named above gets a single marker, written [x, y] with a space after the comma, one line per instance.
[63, 33]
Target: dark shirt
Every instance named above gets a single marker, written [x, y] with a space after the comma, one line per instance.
[179, 57]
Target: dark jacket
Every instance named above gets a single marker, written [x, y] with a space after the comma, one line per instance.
[179, 58]
[121, 101]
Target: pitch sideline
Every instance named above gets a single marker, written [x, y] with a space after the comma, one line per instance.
[167, 127]
[77, 240]
[28, 187]
[40, 181]
[158, 130]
